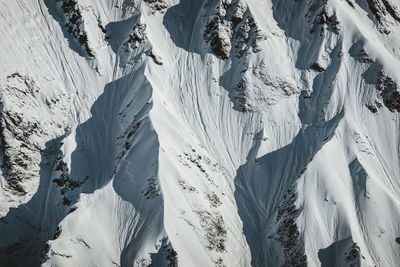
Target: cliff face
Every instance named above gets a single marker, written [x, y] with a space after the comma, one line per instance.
[199, 133]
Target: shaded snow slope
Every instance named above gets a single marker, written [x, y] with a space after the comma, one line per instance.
[199, 133]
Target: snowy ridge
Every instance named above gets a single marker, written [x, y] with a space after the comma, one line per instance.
[199, 133]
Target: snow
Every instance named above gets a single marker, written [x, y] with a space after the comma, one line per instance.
[135, 155]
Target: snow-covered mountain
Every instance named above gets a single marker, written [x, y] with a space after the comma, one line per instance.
[200, 133]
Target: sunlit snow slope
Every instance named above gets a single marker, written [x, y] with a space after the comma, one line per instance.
[200, 133]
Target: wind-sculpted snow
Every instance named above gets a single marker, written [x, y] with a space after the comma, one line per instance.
[258, 201]
[199, 133]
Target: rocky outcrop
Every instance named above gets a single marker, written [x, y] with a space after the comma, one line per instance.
[166, 254]
[214, 229]
[156, 5]
[63, 180]
[240, 95]
[287, 232]
[389, 91]
[384, 14]
[20, 155]
[28, 119]
[254, 81]
[20, 151]
[137, 36]
[156, 59]
[317, 67]
[321, 20]
[374, 107]
[232, 30]
[353, 256]
[363, 57]
[74, 23]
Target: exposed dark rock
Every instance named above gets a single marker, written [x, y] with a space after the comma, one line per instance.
[18, 152]
[57, 233]
[156, 59]
[185, 186]
[246, 36]
[129, 132]
[382, 10]
[171, 256]
[376, 9]
[214, 200]
[64, 182]
[240, 95]
[352, 256]
[232, 29]
[350, 3]
[137, 36]
[328, 21]
[393, 101]
[72, 210]
[391, 10]
[320, 19]
[152, 189]
[287, 233]
[52, 252]
[218, 43]
[363, 57]
[44, 255]
[220, 263]
[157, 5]
[102, 27]
[166, 255]
[83, 242]
[74, 23]
[374, 107]
[66, 201]
[389, 92]
[316, 66]
[215, 233]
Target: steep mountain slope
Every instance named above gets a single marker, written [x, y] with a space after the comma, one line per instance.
[200, 133]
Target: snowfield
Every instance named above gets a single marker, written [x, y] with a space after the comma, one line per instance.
[200, 133]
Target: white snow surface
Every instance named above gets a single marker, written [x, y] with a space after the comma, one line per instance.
[145, 148]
